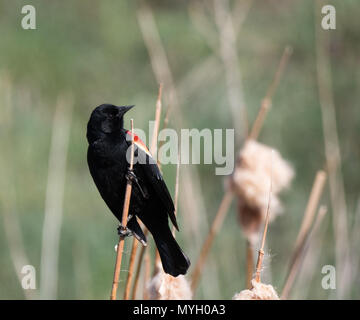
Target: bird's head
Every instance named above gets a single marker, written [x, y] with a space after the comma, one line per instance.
[105, 119]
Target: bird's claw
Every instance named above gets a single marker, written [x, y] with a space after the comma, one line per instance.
[124, 231]
[131, 177]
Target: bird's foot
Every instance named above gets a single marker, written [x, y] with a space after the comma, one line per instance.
[131, 177]
[124, 231]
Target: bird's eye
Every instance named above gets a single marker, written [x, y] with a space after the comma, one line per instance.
[111, 114]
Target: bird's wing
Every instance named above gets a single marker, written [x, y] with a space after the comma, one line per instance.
[152, 173]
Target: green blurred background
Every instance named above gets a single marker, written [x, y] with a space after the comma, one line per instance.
[95, 53]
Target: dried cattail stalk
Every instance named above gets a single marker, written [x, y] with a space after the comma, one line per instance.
[310, 212]
[249, 183]
[267, 101]
[131, 269]
[299, 258]
[146, 274]
[249, 263]
[166, 287]
[120, 247]
[259, 291]
[217, 223]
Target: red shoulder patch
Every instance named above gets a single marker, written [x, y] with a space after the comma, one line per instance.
[139, 142]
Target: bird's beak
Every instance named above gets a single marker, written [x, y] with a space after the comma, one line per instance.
[124, 109]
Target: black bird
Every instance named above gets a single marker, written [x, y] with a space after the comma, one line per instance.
[150, 199]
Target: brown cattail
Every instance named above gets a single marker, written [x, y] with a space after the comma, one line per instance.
[259, 291]
[163, 286]
[250, 182]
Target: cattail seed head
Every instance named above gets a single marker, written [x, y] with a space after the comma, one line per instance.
[163, 286]
[250, 182]
[259, 291]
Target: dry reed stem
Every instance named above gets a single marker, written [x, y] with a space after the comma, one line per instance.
[54, 198]
[131, 269]
[307, 271]
[261, 250]
[120, 247]
[249, 264]
[219, 218]
[143, 253]
[146, 276]
[302, 253]
[267, 101]
[310, 211]
[138, 270]
[333, 157]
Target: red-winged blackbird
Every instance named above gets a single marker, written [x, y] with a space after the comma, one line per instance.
[150, 198]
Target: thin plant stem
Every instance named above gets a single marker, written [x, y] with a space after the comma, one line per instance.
[267, 101]
[54, 198]
[249, 264]
[311, 208]
[131, 269]
[120, 247]
[313, 202]
[219, 217]
[138, 270]
[261, 250]
[302, 254]
[146, 276]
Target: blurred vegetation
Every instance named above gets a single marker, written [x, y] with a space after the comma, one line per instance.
[96, 52]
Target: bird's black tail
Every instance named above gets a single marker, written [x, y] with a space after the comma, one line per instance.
[173, 259]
